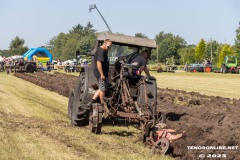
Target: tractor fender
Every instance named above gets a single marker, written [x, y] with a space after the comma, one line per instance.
[150, 92]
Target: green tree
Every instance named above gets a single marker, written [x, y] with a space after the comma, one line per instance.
[141, 35]
[4, 53]
[79, 38]
[89, 31]
[211, 48]
[166, 49]
[56, 46]
[17, 47]
[168, 46]
[78, 29]
[217, 53]
[161, 36]
[227, 50]
[70, 46]
[85, 45]
[200, 50]
[187, 54]
[50, 43]
[237, 41]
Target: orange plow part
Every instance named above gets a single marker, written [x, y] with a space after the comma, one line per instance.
[170, 134]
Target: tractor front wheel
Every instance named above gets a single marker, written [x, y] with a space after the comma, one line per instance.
[70, 104]
[161, 146]
[95, 118]
[224, 69]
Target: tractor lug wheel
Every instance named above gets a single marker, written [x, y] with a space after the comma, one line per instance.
[161, 146]
[95, 118]
[70, 104]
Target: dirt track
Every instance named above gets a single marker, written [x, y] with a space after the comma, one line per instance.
[206, 120]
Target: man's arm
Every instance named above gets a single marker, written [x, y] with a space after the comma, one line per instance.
[99, 67]
[146, 70]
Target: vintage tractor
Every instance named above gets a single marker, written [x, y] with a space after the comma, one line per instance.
[21, 65]
[129, 96]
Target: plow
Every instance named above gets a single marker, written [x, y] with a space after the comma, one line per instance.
[130, 97]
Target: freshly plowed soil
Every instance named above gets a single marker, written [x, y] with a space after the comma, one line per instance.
[57, 82]
[205, 120]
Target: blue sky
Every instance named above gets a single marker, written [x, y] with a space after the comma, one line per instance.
[37, 21]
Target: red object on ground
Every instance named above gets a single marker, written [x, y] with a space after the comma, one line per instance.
[170, 134]
[208, 69]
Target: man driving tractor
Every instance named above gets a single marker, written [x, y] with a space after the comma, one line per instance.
[140, 60]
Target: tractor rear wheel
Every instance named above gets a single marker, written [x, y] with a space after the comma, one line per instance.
[79, 112]
[30, 68]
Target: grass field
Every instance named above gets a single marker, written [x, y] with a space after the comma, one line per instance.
[215, 84]
[34, 125]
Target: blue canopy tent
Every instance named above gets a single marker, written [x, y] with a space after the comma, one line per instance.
[40, 52]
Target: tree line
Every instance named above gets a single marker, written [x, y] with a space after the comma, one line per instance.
[170, 47]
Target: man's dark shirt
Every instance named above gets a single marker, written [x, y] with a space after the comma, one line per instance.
[141, 61]
[101, 56]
